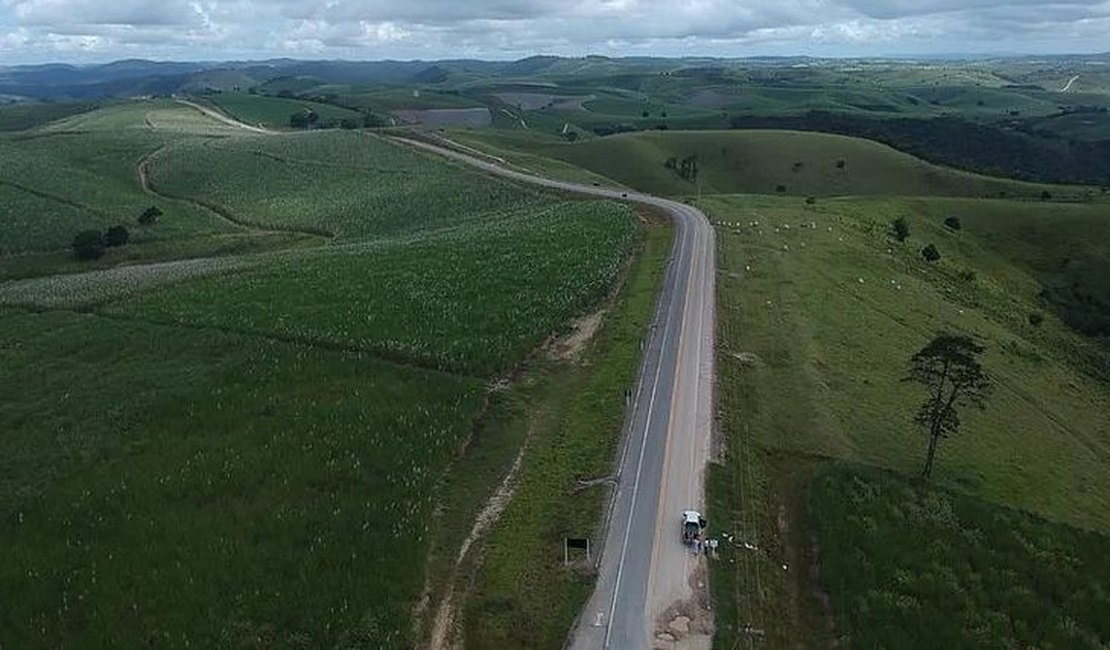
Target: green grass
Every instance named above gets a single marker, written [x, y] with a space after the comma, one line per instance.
[523, 596]
[913, 567]
[761, 162]
[274, 112]
[816, 325]
[182, 488]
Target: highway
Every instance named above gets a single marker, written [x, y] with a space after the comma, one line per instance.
[650, 588]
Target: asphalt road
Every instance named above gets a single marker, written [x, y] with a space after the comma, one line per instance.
[645, 571]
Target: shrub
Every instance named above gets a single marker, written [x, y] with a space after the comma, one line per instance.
[1036, 318]
[810, 200]
[87, 245]
[781, 189]
[930, 253]
[1046, 195]
[840, 164]
[900, 228]
[116, 236]
[797, 167]
[149, 216]
[952, 223]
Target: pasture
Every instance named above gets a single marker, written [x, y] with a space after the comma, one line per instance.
[274, 112]
[820, 308]
[766, 162]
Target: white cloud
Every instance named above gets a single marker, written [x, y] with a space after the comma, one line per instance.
[505, 28]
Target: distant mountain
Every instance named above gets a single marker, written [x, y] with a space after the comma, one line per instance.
[135, 77]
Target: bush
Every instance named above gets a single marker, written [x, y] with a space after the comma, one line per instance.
[1036, 318]
[810, 200]
[952, 223]
[87, 245]
[116, 236]
[1046, 195]
[149, 216]
[303, 119]
[781, 189]
[930, 253]
[840, 164]
[900, 228]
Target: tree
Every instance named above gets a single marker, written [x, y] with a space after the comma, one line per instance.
[901, 228]
[303, 119]
[930, 253]
[949, 369]
[149, 216]
[952, 223]
[116, 236]
[571, 136]
[87, 245]
[1046, 195]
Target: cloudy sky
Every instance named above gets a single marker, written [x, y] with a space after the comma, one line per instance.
[104, 30]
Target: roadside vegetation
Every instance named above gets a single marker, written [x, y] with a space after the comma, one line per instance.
[522, 595]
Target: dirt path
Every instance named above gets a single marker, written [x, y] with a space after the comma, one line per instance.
[220, 117]
[445, 627]
[143, 172]
[1067, 87]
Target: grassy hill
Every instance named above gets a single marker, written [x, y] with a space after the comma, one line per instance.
[764, 162]
[819, 311]
[274, 112]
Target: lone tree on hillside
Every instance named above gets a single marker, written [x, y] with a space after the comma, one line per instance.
[952, 223]
[149, 216]
[949, 369]
[116, 236]
[88, 245]
[901, 228]
[930, 253]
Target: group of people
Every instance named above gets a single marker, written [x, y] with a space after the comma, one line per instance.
[703, 545]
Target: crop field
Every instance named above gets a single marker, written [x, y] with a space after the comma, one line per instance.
[913, 567]
[472, 300]
[819, 311]
[81, 172]
[172, 487]
[249, 450]
[349, 185]
[275, 112]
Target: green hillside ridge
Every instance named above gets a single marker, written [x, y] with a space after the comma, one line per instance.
[763, 162]
[274, 112]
